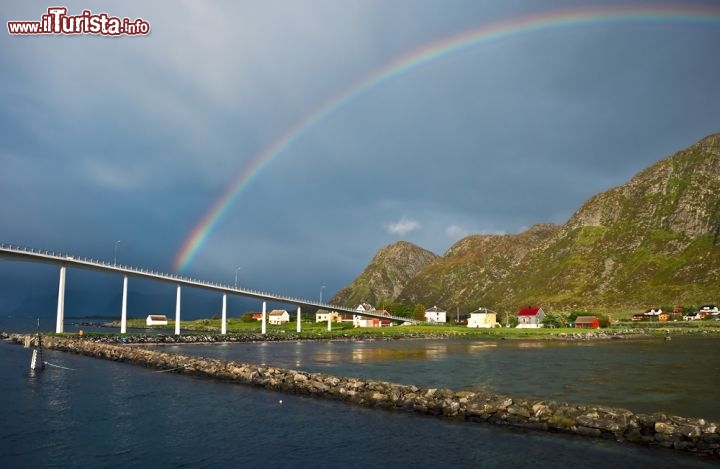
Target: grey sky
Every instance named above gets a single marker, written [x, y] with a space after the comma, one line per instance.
[134, 138]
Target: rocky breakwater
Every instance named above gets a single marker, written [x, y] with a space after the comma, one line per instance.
[679, 433]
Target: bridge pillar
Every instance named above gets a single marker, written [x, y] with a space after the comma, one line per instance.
[123, 314]
[298, 320]
[329, 321]
[223, 327]
[264, 317]
[61, 301]
[177, 311]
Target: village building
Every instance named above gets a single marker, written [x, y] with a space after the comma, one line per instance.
[323, 315]
[587, 322]
[483, 318]
[435, 314]
[156, 320]
[278, 316]
[356, 318]
[368, 321]
[530, 317]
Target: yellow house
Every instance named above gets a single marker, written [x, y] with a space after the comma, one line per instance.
[323, 316]
[482, 319]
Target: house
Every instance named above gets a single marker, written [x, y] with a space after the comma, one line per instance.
[688, 316]
[702, 315]
[653, 312]
[710, 309]
[367, 321]
[257, 316]
[482, 318]
[156, 320]
[435, 314]
[664, 316]
[530, 317]
[278, 316]
[362, 308]
[323, 315]
[640, 317]
[587, 322]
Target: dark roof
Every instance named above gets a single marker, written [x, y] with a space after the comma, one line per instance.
[435, 309]
[585, 319]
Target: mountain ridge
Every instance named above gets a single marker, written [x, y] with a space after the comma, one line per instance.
[654, 240]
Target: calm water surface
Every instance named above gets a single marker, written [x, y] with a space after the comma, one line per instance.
[681, 376]
[106, 414]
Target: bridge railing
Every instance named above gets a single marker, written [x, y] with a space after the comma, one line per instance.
[171, 276]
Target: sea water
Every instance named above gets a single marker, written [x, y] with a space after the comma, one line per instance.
[85, 412]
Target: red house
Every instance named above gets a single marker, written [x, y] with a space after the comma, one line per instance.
[587, 322]
[530, 317]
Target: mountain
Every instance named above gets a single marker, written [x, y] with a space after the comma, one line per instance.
[654, 241]
[472, 267]
[386, 275]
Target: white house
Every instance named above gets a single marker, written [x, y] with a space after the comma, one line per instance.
[530, 317]
[156, 320]
[482, 318]
[367, 321]
[435, 314]
[322, 315]
[278, 316]
[362, 308]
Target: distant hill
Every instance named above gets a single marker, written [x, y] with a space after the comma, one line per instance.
[387, 274]
[654, 241]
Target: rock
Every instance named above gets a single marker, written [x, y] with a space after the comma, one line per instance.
[664, 428]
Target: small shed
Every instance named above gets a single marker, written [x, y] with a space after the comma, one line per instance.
[587, 322]
[156, 320]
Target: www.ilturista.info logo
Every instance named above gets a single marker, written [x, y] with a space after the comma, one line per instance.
[57, 21]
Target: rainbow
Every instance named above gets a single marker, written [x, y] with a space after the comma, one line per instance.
[484, 34]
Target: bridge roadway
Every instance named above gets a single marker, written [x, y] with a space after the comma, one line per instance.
[17, 253]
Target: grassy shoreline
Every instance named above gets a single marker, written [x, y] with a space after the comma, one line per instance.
[318, 331]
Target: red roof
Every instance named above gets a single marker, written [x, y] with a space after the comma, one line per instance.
[529, 311]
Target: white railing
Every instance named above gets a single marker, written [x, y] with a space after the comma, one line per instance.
[203, 283]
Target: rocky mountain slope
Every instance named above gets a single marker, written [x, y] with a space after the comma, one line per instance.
[387, 274]
[652, 241]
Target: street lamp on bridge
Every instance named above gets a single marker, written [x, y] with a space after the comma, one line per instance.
[321, 290]
[236, 273]
[115, 256]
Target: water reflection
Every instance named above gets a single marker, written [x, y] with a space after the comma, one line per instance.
[642, 375]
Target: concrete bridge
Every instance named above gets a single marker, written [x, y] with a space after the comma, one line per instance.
[17, 253]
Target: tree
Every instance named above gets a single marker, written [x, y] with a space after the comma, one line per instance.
[419, 312]
[554, 320]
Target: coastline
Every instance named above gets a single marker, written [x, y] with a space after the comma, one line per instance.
[688, 435]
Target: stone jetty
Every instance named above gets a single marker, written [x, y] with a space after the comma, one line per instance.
[693, 435]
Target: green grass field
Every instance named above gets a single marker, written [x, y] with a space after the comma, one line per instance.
[312, 330]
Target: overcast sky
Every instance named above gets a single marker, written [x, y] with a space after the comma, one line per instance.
[133, 139]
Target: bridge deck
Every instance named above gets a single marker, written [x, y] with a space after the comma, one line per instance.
[18, 253]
